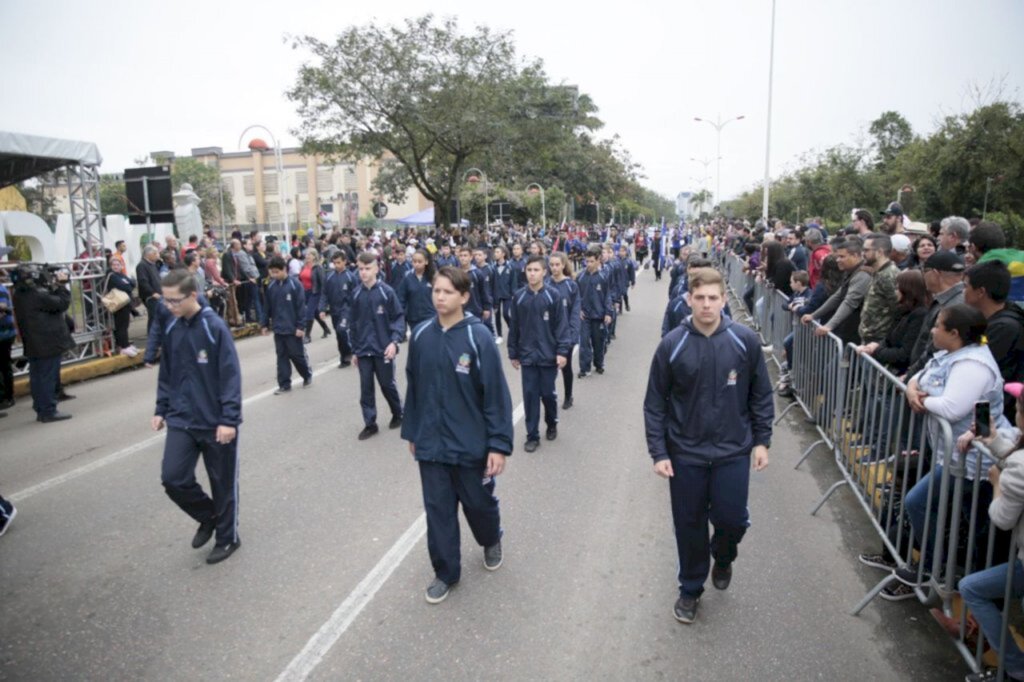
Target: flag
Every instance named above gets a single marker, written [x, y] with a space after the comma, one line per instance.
[1014, 261]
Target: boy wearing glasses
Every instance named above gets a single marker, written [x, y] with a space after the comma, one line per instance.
[199, 400]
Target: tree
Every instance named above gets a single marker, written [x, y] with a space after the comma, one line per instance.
[113, 200]
[891, 133]
[206, 182]
[431, 100]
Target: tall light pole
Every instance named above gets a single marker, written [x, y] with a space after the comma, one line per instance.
[768, 134]
[487, 214]
[718, 124]
[543, 205]
[282, 208]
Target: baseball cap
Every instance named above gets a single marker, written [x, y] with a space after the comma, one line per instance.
[944, 261]
[901, 243]
[893, 209]
[1014, 389]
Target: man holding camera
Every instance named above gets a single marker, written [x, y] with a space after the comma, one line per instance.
[40, 304]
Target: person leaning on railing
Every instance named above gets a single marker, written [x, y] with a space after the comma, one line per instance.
[912, 303]
[981, 590]
[961, 373]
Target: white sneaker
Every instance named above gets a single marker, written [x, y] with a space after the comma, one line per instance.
[129, 351]
[497, 340]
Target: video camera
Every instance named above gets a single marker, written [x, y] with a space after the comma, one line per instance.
[44, 275]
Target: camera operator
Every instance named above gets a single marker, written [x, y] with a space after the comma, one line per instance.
[40, 303]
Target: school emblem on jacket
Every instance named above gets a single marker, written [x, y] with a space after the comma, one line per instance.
[288, 297]
[731, 381]
[599, 287]
[380, 310]
[546, 316]
[463, 366]
[203, 358]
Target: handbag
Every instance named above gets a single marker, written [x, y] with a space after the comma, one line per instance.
[115, 299]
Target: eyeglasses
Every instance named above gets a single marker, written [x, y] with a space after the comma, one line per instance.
[172, 302]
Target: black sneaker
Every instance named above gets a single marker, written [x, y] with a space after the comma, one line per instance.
[493, 556]
[6, 404]
[203, 535]
[282, 389]
[721, 576]
[567, 404]
[62, 396]
[327, 332]
[990, 675]
[551, 433]
[222, 552]
[897, 591]
[583, 375]
[55, 417]
[368, 431]
[5, 522]
[395, 422]
[346, 363]
[908, 575]
[437, 591]
[600, 370]
[685, 609]
[531, 445]
[308, 381]
[877, 561]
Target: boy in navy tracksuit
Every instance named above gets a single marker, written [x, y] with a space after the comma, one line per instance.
[400, 267]
[628, 273]
[199, 399]
[538, 345]
[709, 406]
[479, 303]
[461, 443]
[502, 288]
[337, 297]
[517, 263]
[377, 325]
[285, 315]
[487, 272]
[613, 270]
[595, 313]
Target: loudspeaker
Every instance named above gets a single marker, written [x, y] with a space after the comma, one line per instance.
[156, 182]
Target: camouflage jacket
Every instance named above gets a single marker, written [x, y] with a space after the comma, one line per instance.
[880, 311]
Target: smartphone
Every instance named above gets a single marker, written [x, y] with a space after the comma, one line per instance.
[982, 419]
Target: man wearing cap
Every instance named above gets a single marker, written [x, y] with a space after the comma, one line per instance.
[892, 219]
[900, 254]
[943, 276]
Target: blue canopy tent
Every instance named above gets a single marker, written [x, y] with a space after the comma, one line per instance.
[425, 218]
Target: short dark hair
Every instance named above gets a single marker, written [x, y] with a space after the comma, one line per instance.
[881, 242]
[698, 262]
[993, 276]
[536, 259]
[276, 263]
[965, 320]
[457, 276]
[593, 251]
[118, 243]
[852, 243]
[987, 236]
[801, 276]
[366, 258]
[865, 215]
[184, 280]
[340, 255]
[190, 258]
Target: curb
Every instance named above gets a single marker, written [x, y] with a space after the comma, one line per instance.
[99, 367]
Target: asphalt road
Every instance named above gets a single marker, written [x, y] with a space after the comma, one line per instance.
[98, 580]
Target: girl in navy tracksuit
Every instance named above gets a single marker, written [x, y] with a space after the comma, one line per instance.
[562, 280]
[414, 290]
[502, 282]
[461, 442]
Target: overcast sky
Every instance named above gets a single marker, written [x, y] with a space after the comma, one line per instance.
[136, 76]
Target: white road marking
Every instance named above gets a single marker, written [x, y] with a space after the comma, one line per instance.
[130, 450]
[331, 631]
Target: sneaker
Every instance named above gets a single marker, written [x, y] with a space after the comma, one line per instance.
[908, 575]
[308, 381]
[55, 417]
[583, 375]
[222, 552]
[685, 609]
[437, 591]
[395, 422]
[128, 352]
[786, 392]
[282, 389]
[567, 404]
[6, 404]
[897, 591]
[203, 535]
[600, 370]
[990, 675]
[493, 556]
[878, 561]
[768, 348]
[5, 522]
[551, 433]
[721, 576]
[531, 445]
[368, 431]
[498, 340]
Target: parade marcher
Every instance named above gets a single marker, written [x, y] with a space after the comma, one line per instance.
[538, 345]
[562, 279]
[487, 275]
[199, 399]
[415, 291]
[709, 406]
[595, 313]
[8, 332]
[629, 273]
[461, 443]
[400, 267]
[7, 513]
[377, 325]
[479, 301]
[335, 298]
[285, 316]
[517, 262]
[503, 276]
[615, 273]
[311, 277]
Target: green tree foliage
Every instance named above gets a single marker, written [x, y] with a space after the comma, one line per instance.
[113, 200]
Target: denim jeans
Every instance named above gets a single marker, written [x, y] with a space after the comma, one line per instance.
[980, 590]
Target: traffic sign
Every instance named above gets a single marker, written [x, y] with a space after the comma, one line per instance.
[380, 209]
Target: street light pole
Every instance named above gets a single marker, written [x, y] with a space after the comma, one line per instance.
[543, 205]
[279, 162]
[487, 214]
[718, 124]
[768, 134]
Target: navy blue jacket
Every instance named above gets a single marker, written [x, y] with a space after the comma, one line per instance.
[677, 276]
[570, 293]
[616, 278]
[398, 272]
[595, 295]
[708, 398]
[417, 298]
[164, 317]
[479, 296]
[538, 329]
[285, 308]
[475, 418]
[374, 320]
[679, 309]
[441, 261]
[629, 267]
[337, 293]
[487, 272]
[817, 298]
[502, 281]
[518, 266]
[200, 382]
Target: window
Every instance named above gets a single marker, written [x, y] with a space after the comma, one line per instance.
[270, 182]
[249, 184]
[349, 175]
[301, 182]
[325, 180]
[250, 214]
[303, 209]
